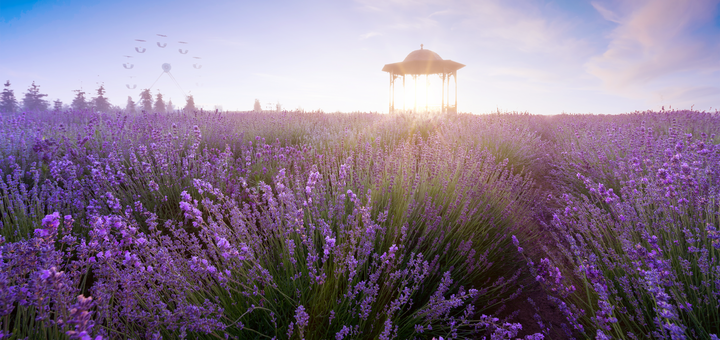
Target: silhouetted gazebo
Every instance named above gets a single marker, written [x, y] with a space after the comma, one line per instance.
[425, 62]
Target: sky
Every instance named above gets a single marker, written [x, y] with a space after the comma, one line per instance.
[537, 56]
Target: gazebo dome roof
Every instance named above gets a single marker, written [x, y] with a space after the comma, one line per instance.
[423, 61]
[422, 54]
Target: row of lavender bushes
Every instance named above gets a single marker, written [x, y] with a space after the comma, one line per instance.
[636, 251]
[286, 226]
[358, 226]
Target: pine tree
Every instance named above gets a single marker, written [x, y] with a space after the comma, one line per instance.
[33, 100]
[100, 102]
[159, 103]
[169, 105]
[57, 105]
[257, 107]
[79, 103]
[189, 104]
[7, 101]
[146, 100]
[130, 107]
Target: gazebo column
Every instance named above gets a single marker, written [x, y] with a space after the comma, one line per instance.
[442, 94]
[415, 104]
[447, 92]
[404, 96]
[427, 92]
[393, 92]
[390, 93]
[455, 74]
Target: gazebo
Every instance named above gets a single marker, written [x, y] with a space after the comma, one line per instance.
[425, 62]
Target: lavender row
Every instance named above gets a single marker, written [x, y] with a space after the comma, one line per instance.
[285, 226]
[636, 246]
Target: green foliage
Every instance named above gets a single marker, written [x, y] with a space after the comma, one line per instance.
[79, 103]
[101, 103]
[189, 104]
[130, 107]
[146, 100]
[57, 105]
[33, 100]
[386, 185]
[8, 103]
[159, 103]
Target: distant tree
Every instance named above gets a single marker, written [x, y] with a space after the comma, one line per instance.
[189, 104]
[100, 102]
[33, 100]
[169, 105]
[57, 105]
[130, 107]
[257, 107]
[7, 101]
[159, 103]
[146, 100]
[79, 103]
[278, 107]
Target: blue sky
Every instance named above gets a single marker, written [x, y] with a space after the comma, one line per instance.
[544, 57]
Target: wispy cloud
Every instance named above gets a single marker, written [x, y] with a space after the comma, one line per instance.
[526, 73]
[369, 35]
[688, 93]
[658, 40]
[522, 25]
[415, 24]
[390, 4]
[443, 12]
[519, 25]
[407, 15]
[606, 13]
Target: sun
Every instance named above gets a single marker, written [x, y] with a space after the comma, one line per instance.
[422, 93]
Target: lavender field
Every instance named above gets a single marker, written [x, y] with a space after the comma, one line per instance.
[301, 225]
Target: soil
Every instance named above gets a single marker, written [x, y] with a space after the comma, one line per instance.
[550, 314]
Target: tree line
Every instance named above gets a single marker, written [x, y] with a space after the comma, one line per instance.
[35, 101]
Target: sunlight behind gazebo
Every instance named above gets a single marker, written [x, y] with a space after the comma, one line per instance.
[430, 64]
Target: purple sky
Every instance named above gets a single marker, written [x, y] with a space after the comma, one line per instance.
[544, 57]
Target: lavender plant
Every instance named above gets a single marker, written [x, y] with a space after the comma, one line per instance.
[637, 254]
[350, 234]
